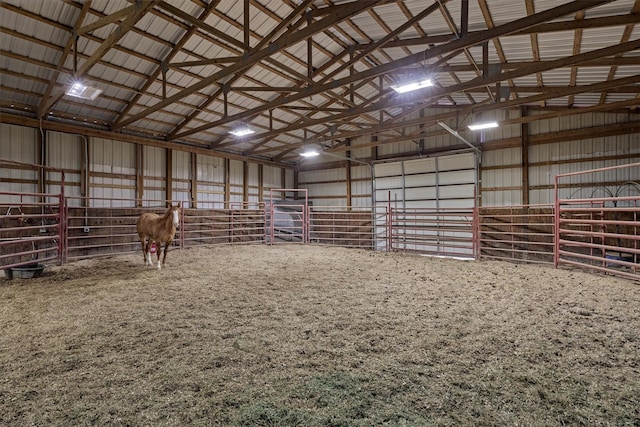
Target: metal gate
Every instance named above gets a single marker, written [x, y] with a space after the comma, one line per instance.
[287, 221]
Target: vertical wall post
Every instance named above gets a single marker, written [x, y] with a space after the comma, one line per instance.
[194, 180]
[556, 224]
[245, 181]
[169, 175]
[139, 174]
[260, 182]
[227, 180]
[524, 130]
[348, 177]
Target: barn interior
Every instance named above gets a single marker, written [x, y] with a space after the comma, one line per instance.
[392, 212]
[367, 111]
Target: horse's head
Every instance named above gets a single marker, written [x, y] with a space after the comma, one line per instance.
[175, 214]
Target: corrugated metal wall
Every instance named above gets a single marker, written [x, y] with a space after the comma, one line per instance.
[155, 177]
[210, 179]
[112, 177]
[18, 144]
[181, 171]
[64, 152]
[113, 171]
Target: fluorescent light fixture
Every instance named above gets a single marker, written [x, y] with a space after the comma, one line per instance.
[80, 90]
[310, 152]
[480, 126]
[242, 131]
[408, 87]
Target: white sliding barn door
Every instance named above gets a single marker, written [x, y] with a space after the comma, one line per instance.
[432, 202]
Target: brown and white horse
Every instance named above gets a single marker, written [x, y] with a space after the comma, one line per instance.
[153, 228]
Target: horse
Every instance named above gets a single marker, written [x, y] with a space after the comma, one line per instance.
[153, 228]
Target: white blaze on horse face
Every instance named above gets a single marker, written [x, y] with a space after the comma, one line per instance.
[176, 219]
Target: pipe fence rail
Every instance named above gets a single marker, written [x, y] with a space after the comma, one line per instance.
[437, 231]
[344, 226]
[600, 233]
[595, 233]
[516, 233]
[31, 229]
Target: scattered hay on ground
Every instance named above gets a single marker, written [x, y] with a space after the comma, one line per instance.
[317, 336]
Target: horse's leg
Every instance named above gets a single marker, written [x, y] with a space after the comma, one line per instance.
[158, 251]
[144, 248]
[149, 243]
[166, 249]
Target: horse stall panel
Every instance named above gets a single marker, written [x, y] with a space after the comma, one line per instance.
[99, 230]
[600, 232]
[444, 232]
[517, 233]
[31, 229]
[219, 223]
[287, 221]
[342, 226]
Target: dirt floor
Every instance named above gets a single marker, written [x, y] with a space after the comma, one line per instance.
[317, 336]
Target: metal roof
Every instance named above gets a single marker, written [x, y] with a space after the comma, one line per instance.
[187, 72]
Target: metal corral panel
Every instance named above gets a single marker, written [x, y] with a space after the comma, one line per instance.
[18, 143]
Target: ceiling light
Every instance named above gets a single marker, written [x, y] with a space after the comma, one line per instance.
[80, 90]
[480, 126]
[310, 152]
[408, 87]
[242, 131]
